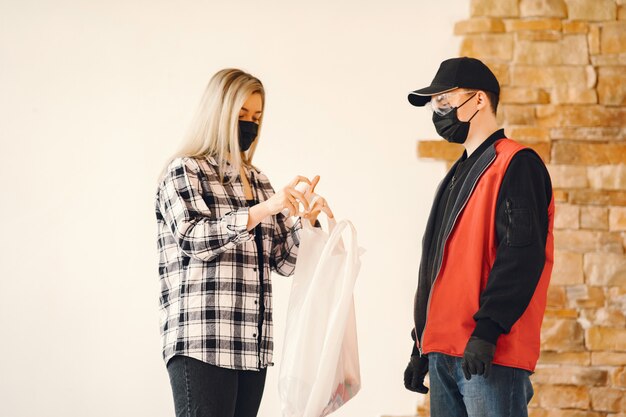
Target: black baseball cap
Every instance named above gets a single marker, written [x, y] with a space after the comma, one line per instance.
[454, 73]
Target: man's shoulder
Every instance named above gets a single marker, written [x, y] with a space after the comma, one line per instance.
[527, 162]
[520, 152]
[528, 156]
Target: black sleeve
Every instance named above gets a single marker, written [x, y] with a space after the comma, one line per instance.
[415, 351]
[521, 229]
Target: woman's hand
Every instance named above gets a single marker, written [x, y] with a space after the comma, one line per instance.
[319, 206]
[288, 198]
[316, 202]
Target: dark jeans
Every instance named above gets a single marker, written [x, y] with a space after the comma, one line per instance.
[506, 392]
[204, 390]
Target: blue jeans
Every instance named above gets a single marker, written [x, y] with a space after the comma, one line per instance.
[505, 393]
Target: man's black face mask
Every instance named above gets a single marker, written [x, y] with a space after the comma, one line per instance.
[450, 127]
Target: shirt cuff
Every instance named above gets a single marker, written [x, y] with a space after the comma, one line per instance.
[487, 330]
[237, 225]
[295, 231]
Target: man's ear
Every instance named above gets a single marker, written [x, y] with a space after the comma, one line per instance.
[482, 101]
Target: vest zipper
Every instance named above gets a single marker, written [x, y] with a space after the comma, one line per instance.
[509, 219]
[445, 240]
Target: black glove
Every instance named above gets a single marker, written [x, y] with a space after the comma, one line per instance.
[415, 373]
[477, 357]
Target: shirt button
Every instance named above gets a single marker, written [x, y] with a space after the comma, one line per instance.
[256, 301]
[255, 269]
[254, 335]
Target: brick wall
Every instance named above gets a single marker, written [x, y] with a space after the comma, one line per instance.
[562, 68]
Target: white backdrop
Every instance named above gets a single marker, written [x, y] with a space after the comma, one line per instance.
[94, 97]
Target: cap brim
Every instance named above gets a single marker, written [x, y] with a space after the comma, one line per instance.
[422, 96]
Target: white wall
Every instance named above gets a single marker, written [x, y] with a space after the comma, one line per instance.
[94, 98]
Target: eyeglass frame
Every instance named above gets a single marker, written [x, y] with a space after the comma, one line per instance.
[440, 112]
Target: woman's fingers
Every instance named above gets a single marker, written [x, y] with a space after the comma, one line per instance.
[291, 199]
[292, 207]
[319, 206]
[313, 204]
[313, 184]
[319, 203]
[328, 212]
[300, 197]
[298, 179]
[324, 207]
[313, 215]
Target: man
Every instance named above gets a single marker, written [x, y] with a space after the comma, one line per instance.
[487, 256]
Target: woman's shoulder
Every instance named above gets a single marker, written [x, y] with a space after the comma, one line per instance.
[194, 168]
[179, 162]
[193, 164]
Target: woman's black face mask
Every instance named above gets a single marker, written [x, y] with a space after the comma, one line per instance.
[248, 132]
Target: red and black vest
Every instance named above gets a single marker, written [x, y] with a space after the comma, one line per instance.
[464, 266]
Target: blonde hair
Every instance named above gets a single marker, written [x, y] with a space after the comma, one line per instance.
[214, 130]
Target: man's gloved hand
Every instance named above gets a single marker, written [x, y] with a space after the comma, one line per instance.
[415, 373]
[477, 357]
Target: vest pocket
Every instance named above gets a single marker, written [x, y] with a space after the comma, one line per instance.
[519, 226]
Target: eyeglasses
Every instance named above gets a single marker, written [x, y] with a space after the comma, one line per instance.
[440, 104]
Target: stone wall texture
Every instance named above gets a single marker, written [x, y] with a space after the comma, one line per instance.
[562, 69]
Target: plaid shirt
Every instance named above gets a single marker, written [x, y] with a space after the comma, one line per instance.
[208, 266]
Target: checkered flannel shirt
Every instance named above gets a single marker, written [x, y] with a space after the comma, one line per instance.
[208, 266]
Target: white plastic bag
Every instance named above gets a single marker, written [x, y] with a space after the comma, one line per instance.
[319, 370]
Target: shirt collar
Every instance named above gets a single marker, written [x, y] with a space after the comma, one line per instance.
[498, 134]
[213, 161]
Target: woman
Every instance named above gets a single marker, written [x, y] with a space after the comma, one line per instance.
[221, 231]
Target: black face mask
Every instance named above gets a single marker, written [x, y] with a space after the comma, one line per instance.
[450, 127]
[248, 132]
